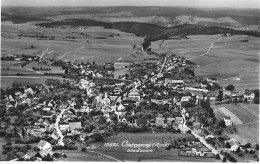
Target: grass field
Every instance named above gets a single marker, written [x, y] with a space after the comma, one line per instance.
[120, 152]
[227, 58]
[77, 155]
[248, 131]
[99, 50]
[8, 80]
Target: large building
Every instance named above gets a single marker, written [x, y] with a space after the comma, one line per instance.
[121, 64]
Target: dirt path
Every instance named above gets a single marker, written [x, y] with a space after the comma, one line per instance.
[104, 155]
[44, 52]
[71, 52]
[207, 50]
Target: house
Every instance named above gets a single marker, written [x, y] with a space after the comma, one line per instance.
[159, 121]
[121, 64]
[141, 121]
[179, 120]
[234, 144]
[249, 95]
[30, 153]
[44, 145]
[134, 94]
[64, 127]
[170, 120]
[13, 103]
[46, 109]
[75, 125]
[106, 100]
[202, 152]
[173, 81]
[44, 153]
[55, 136]
[185, 98]
[227, 120]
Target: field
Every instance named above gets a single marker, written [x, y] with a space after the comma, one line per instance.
[228, 57]
[8, 80]
[248, 131]
[102, 45]
[160, 154]
[77, 155]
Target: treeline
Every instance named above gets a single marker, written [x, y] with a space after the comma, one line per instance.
[16, 19]
[149, 31]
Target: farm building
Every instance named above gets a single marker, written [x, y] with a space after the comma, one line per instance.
[44, 145]
[227, 120]
[75, 125]
[121, 64]
[234, 144]
[134, 94]
[173, 81]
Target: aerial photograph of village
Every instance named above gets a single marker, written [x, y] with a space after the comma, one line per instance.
[130, 80]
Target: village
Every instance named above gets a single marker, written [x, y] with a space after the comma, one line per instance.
[160, 95]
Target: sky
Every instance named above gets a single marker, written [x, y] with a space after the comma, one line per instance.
[188, 3]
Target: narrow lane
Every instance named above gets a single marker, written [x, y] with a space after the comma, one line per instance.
[207, 50]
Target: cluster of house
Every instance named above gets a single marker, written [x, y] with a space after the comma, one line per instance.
[113, 102]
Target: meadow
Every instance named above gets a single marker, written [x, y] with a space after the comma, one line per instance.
[101, 45]
[228, 57]
[160, 154]
[248, 131]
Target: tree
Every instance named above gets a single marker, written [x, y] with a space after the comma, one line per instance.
[217, 156]
[248, 145]
[222, 124]
[32, 46]
[224, 159]
[230, 87]
[66, 71]
[228, 145]
[257, 146]
[97, 137]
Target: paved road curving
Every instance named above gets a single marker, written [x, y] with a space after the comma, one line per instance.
[57, 125]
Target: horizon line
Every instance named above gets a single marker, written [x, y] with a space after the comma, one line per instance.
[207, 7]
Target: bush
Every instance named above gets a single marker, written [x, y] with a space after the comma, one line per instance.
[248, 145]
[232, 159]
[64, 155]
[56, 155]
[224, 159]
[240, 154]
[19, 141]
[83, 149]
[255, 156]
[217, 156]
[251, 151]
[9, 143]
[228, 145]
[257, 146]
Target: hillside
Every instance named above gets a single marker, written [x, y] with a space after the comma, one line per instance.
[170, 16]
[150, 31]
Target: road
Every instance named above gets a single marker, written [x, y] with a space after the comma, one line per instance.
[207, 50]
[57, 125]
[202, 140]
[72, 51]
[148, 79]
[44, 52]
[104, 155]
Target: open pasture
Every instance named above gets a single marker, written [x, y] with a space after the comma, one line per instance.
[228, 57]
[160, 154]
[141, 138]
[7, 81]
[248, 130]
[101, 45]
[77, 155]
